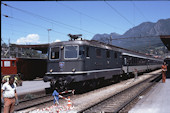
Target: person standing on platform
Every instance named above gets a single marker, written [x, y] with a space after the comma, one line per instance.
[164, 69]
[9, 96]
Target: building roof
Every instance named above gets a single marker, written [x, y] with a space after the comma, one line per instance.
[166, 40]
[40, 47]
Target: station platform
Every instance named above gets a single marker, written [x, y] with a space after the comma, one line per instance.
[157, 100]
[32, 86]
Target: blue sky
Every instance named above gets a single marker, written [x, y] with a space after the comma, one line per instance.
[29, 23]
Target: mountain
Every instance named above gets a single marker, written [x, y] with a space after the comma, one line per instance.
[104, 37]
[147, 36]
[162, 27]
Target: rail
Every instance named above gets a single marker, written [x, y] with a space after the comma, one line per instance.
[114, 109]
[29, 103]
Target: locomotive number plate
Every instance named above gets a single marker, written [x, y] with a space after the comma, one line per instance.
[61, 65]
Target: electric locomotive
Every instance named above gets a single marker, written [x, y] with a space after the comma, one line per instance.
[79, 63]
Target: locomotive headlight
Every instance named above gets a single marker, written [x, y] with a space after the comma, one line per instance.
[51, 70]
[73, 70]
[62, 47]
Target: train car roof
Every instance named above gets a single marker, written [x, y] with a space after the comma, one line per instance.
[139, 56]
[95, 43]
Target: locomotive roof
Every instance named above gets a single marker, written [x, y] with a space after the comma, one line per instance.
[88, 43]
[95, 43]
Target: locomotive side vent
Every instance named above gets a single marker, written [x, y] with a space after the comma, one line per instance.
[75, 37]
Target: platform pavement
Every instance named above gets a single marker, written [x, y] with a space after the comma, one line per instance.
[157, 100]
[32, 86]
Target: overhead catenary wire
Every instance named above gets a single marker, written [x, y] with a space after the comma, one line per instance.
[156, 36]
[29, 13]
[36, 25]
[118, 13]
[22, 31]
[20, 20]
[2, 41]
[47, 19]
[139, 11]
[96, 19]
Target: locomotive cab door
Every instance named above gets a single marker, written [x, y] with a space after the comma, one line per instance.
[87, 58]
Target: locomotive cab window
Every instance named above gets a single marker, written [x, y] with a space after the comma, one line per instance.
[55, 53]
[71, 52]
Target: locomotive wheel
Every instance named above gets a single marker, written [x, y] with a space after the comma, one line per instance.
[52, 84]
[117, 78]
[128, 76]
[79, 87]
[98, 83]
[125, 76]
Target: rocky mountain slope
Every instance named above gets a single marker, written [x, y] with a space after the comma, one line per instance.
[143, 37]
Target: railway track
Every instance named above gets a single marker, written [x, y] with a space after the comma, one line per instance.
[35, 102]
[105, 106]
[118, 101]
[25, 104]
[30, 99]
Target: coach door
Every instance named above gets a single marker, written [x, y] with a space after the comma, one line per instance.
[126, 65]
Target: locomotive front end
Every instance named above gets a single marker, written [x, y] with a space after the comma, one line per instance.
[65, 61]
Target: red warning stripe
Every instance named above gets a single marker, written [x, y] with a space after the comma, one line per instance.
[67, 91]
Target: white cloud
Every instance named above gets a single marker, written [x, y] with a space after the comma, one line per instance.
[31, 38]
[57, 40]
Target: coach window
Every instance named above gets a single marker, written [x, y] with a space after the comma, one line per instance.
[98, 52]
[107, 53]
[1, 63]
[130, 60]
[55, 53]
[135, 61]
[138, 61]
[7, 64]
[148, 62]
